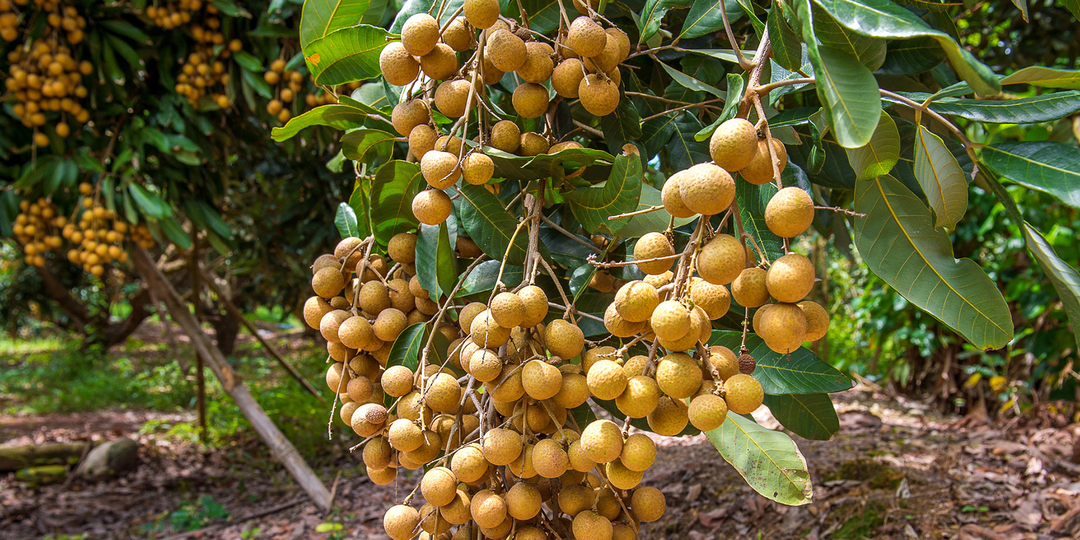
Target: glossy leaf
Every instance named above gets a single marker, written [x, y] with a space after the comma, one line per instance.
[683, 150]
[705, 17]
[345, 221]
[543, 15]
[529, 168]
[879, 155]
[911, 56]
[656, 132]
[735, 85]
[1073, 6]
[802, 373]
[357, 143]
[653, 14]
[690, 82]
[482, 278]
[849, 95]
[941, 179]
[811, 416]
[342, 117]
[321, 17]
[175, 232]
[752, 201]
[346, 55]
[1049, 167]
[565, 251]
[899, 243]
[489, 224]
[396, 183]
[1042, 108]
[869, 50]
[886, 19]
[769, 461]
[150, 203]
[1045, 77]
[435, 262]
[406, 348]
[619, 194]
[787, 47]
[360, 202]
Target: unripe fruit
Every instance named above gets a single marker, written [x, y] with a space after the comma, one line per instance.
[441, 63]
[790, 278]
[783, 327]
[760, 169]
[420, 34]
[606, 380]
[481, 13]
[566, 78]
[538, 65]
[589, 524]
[586, 37]
[451, 97]
[707, 412]
[530, 100]
[599, 95]
[439, 486]
[648, 504]
[432, 206]
[721, 260]
[540, 379]
[651, 246]
[507, 51]
[670, 320]
[506, 136]
[706, 188]
[523, 501]
[564, 339]
[713, 299]
[749, 289]
[409, 114]
[743, 394]
[790, 212]
[636, 301]
[400, 521]
[549, 459]
[734, 144]
[669, 418]
[817, 320]
[640, 397]
[397, 65]
[477, 169]
[601, 441]
[507, 309]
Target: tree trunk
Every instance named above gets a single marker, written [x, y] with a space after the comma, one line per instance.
[13, 458]
[282, 449]
[226, 328]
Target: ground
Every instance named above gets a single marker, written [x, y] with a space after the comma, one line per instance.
[893, 471]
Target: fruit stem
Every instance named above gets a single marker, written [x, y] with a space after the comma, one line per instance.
[745, 64]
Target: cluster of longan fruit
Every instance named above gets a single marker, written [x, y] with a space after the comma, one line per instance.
[47, 78]
[35, 229]
[9, 21]
[289, 84]
[174, 15]
[487, 418]
[204, 72]
[98, 235]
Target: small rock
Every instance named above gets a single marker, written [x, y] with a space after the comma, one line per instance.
[110, 459]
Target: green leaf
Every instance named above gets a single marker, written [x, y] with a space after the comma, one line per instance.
[769, 461]
[256, 83]
[175, 232]
[705, 17]
[898, 241]
[802, 373]
[488, 223]
[752, 201]
[885, 19]
[406, 348]
[941, 179]
[618, 195]
[690, 82]
[248, 61]
[543, 15]
[396, 183]
[879, 155]
[435, 262]
[786, 45]
[811, 416]
[124, 29]
[345, 220]
[230, 9]
[653, 14]
[656, 132]
[911, 56]
[683, 150]
[527, 168]
[342, 117]
[735, 85]
[656, 221]
[1049, 167]
[150, 203]
[1045, 77]
[849, 95]
[346, 55]
[1044, 108]
[563, 250]
[1073, 6]
[360, 202]
[1022, 6]
[482, 278]
[321, 17]
[869, 50]
[357, 143]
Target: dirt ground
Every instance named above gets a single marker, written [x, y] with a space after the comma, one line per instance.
[893, 471]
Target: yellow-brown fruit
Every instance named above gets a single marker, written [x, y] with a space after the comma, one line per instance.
[721, 260]
[724, 360]
[760, 169]
[523, 500]
[621, 477]
[422, 140]
[790, 278]
[671, 197]
[538, 64]
[549, 459]
[451, 97]
[397, 381]
[529, 533]
[506, 136]
[706, 188]
[599, 95]
[507, 51]
[359, 389]
[530, 100]
[432, 206]
[734, 144]
[508, 310]
[536, 305]
[455, 513]
[783, 327]
[579, 460]
[590, 525]
[477, 169]
[608, 58]
[440, 169]
[382, 477]
[522, 466]
[400, 521]
[439, 486]
[314, 310]
[389, 324]
[377, 454]
[368, 419]
[566, 78]
[638, 453]
[678, 375]
[619, 327]
[713, 299]
[447, 143]
[670, 320]
[640, 397]
[443, 393]
[636, 301]
[427, 451]
[707, 412]
[419, 34]
[601, 441]
[374, 297]
[564, 339]
[790, 212]
[594, 355]
[565, 145]
[622, 40]
[396, 64]
[405, 436]
[488, 509]
[573, 392]
[583, 6]
[606, 380]
[485, 365]
[487, 332]
[457, 35]
[402, 248]
[441, 63]
[532, 144]
[409, 114]
[669, 418]
[743, 394]
[481, 13]
[586, 37]
[469, 464]
[540, 379]
[327, 282]
[337, 377]
[749, 289]
[817, 320]
[501, 446]
[648, 504]
[331, 322]
[654, 245]
[574, 498]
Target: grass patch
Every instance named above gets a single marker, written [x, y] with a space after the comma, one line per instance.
[878, 475]
[866, 521]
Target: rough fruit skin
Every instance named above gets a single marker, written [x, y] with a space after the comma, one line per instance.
[400, 520]
[817, 320]
[747, 364]
[648, 504]
[669, 418]
[707, 412]
[327, 282]
[790, 278]
[636, 301]
[678, 375]
[432, 206]
[575, 498]
[724, 360]
[457, 35]
[422, 140]
[608, 58]
[439, 486]
[671, 197]
[405, 436]
[619, 327]
[420, 34]
[440, 63]
[586, 37]
[651, 246]
[538, 64]
[530, 100]
[590, 525]
[402, 248]
[622, 477]
[601, 441]
[507, 309]
[749, 288]
[487, 332]
[507, 51]
[443, 394]
[563, 339]
[706, 189]
[408, 115]
[549, 459]
[397, 65]
[598, 95]
[532, 144]
[482, 13]
[506, 136]
[670, 320]
[790, 212]
[734, 144]
[714, 299]
[440, 169]
[331, 323]
[477, 169]
[574, 391]
[451, 97]
[541, 380]
[566, 78]
[501, 446]
[488, 509]
[638, 453]
[743, 394]
[721, 260]
[640, 397]
[606, 380]
[397, 381]
[536, 305]
[783, 327]
[759, 171]
[523, 500]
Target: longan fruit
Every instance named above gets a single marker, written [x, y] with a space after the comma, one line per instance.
[477, 169]
[432, 207]
[506, 136]
[397, 65]
[451, 97]
[640, 397]
[743, 394]
[440, 63]
[586, 37]
[783, 327]
[651, 246]
[422, 140]
[420, 34]
[790, 278]
[566, 78]
[749, 289]
[481, 13]
[706, 189]
[400, 521]
[790, 212]
[760, 170]
[669, 418]
[532, 144]
[601, 441]
[647, 504]
[535, 301]
[440, 169]
[671, 197]
[670, 320]
[599, 96]
[636, 300]
[564, 339]
[507, 51]
[707, 412]
[817, 320]
[538, 65]
[734, 144]
[457, 35]
[530, 100]
[409, 114]
[721, 260]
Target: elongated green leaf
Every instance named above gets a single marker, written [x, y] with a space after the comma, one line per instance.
[879, 155]
[489, 224]
[690, 82]
[849, 95]
[321, 17]
[898, 241]
[869, 50]
[565, 251]
[885, 19]
[752, 201]
[911, 56]
[341, 117]
[683, 151]
[1045, 77]
[482, 278]
[802, 373]
[357, 143]
[735, 85]
[360, 202]
[1073, 6]
[346, 55]
[619, 194]
[345, 220]
[1042, 108]
[1049, 167]
[543, 15]
[656, 132]
[436, 266]
[656, 221]
[396, 183]
[406, 348]
[150, 203]
[769, 461]
[811, 416]
[705, 17]
[941, 179]
[787, 47]
[529, 168]
[653, 14]
[175, 232]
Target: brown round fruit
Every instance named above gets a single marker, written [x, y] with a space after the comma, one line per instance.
[790, 212]
[734, 144]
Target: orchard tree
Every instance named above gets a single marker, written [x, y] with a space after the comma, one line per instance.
[562, 208]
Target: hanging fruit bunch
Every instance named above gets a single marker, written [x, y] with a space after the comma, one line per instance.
[289, 85]
[203, 72]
